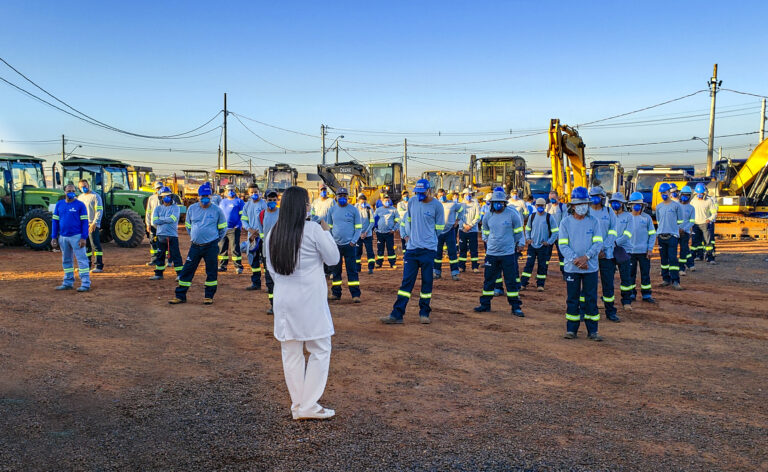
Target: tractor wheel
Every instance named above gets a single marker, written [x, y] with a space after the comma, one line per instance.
[127, 228]
[105, 234]
[10, 237]
[35, 229]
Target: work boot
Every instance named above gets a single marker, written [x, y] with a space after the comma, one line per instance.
[176, 301]
[156, 277]
[540, 288]
[518, 312]
[424, 320]
[693, 269]
[370, 271]
[64, 287]
[455, 277]
[649, 300]
[149, 264]
[627, 307]
[482, 308]
[207, 301]
[682, 273]
[713, 262]
[97, 271]
[613, 318]
[390, 320]
[333, 298]
[83, 289]
[676, 286]
[594, 337]
[270, 311]
[570, 335]
[523, 288]
[356, 300]
[476, 271]
[666, 283]
[239, 270]
[253, 287]
[222, 269]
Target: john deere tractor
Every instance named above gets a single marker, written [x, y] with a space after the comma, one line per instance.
[124, 209]
[25, 201]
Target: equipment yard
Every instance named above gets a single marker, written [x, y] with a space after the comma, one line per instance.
[118, 379]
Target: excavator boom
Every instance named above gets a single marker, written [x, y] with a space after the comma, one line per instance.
[566, 153]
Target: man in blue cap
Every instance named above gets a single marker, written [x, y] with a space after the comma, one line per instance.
[703, 229]
[69, 230]
[689, 219]
[669, 217]
[165, 218]
[232, 206]
[346, 227]
[423, 221]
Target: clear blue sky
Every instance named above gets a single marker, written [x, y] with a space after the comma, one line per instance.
[409, 67]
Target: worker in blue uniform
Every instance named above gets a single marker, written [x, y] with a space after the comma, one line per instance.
[386, 222]
[346, 227]
[365, 243]
[642, 239]
[165, 219]
[541, 231]
[232, 206]
[69, 231]
[468, 231]
[446, 240]
[689, 220]
[669, 218]
[606, 262]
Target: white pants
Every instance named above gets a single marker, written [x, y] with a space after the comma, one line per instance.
[306, 382]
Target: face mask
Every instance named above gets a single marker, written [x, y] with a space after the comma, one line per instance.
[581, 210]
[468, 198]
[255, 197]
[515, 197]
[674, 194]
[323, 193]
[363, 204]
[70, 195]
[665, 196]
[498, 206]
[421, 196]
[342, 201]
[167, 199]
[405, 198]
[387, 203]
[596, 200]
[232, 193]
[271, 205]
[205, 200]
[637, 206]
[553, 200]
[84, 189]
[700, 195]
[616, 206]
[455, 199]
[684, 198]
[540, 209]
[443, 199]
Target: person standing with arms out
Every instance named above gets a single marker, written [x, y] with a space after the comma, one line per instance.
[447, 238]
[669, 217]
[322, 204]
[69, 231]
[558, 210]
[251, 210]
[152, 202]
[542, 234]
[166, 220]
[265, 221]
[468, 224]
[206, 225]
[689, 220]
[705, 216]
[346, 227]
[366, 234]
[232, 206]
[606, 261]
[386, 222]
[95, 209]
[295, 251]
[623, 241]
[581, 240]
[503, 233]
[424, 220]
[642, 239]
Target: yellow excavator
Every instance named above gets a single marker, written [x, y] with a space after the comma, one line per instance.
[566, 153]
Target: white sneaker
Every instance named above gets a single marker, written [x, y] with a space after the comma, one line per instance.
[323, 414]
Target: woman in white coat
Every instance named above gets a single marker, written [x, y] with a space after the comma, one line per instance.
[295, 251]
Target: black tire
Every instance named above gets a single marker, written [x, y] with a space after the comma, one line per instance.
[105, 234]
[36, 228]
[127, 228]
[10, 237]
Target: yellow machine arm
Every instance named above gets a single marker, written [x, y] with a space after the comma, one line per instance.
[757, 160]
[566, 153]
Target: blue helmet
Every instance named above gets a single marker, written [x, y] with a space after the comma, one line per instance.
[636, 197]
[165, 191]
[580, 195]
[498, 196]
[422, 185]
[204, 189]
[701, 188]
[673, 186]
[664, 187]
[686, 189]
[618, 197]
[597, 191]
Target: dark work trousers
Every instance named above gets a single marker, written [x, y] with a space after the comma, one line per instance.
[702, 242]
[644, 263]
[367, 244]
[670, 270]
[447, 240]
[607, 272]
[542, 255]
[506, 268]
[270, 285]
[256, 269]
[413, 261]
[347, 258]
[560, 259]
[685, 258]
[468, 241]
[582, 298]
[152, 245]
[169, 244]
[385, 240]
[93, 249]
[626, 284]
[198, 252]
[230, 240]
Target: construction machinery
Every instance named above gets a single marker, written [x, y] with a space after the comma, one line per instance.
[607, 174]
[193, 179]
[141, 178]
[25, 202]
[450, 181]
[566, 153]
[508, 172]
[280, 176]
[540, 184]
[647, 178]
[239, 178]
[385, 178]
[124, 209]
[350, 175]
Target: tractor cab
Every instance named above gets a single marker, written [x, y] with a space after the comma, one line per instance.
[141, 178]
[279, 177]
[193, 179]
[506, 171]
[239, 178]
[607, 174]
[540, 184]
[385, 178]
[25, 202]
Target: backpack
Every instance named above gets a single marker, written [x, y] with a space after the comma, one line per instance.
[549, 222]
[261, 217]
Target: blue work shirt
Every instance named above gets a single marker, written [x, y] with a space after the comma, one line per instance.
[205, 225]
[422, 223]
[233, 210]
[387, 219]
[503, 232]
[69, 219]
[345, 224]
[166, 220]
[669, 218]
[579, 238]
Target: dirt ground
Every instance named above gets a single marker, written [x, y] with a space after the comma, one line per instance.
[116, 379]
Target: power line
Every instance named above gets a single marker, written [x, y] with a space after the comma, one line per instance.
[642, 109]
[745, 93]
[274, 126]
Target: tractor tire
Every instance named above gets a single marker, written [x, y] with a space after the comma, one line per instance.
[10, 237]
[36, 229]
[127, 228]
[105, 234]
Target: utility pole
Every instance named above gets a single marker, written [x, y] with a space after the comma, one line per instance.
[337, 151]
[225, 131]
[714, 86]
[720, 153]
[762, 123]
[63, 156]
[322, 141]
[250, 166]
[218, 163]
[405, 162]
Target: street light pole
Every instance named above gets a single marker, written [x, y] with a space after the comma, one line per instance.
[714, 86]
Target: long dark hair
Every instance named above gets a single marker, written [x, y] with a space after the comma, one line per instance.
[285, 238]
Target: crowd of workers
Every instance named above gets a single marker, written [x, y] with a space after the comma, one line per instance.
[595, 235]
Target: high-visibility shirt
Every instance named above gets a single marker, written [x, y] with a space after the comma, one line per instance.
[452, 211]
[166, 219]
[346, 225]
[422, 223]
[205, 225]
[94, 206]
[503, 232]
[233, 210]
[69, 219]
[538, 230]
[642, 234]
[366, 217]
[669, 218]
[251, 210]
[387, 219]
[706, 209]
[470, 215]
[607, 219]
[624, 230]
[689, 217]
[579, 238]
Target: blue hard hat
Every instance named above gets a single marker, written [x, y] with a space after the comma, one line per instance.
[422, 185]
[165, 191]
[498, 189]
[686, 189]
[664, 187]
[158, 184]
[673, 186]
[342, 191]
[498, 196]
[701, 188]
[579, 195]
[618, 197]
[596, 191]
[636, 197]
[204, 189]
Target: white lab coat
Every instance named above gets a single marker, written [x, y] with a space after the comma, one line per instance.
[301, 299]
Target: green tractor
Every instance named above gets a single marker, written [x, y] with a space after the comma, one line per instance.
[124, 209]
[25, 202]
